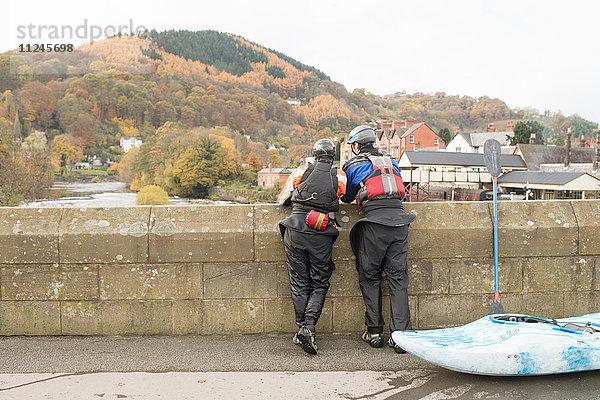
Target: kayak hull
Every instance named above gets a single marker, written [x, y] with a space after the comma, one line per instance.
[495, 345]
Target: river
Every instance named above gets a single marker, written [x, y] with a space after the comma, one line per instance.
[99, 194]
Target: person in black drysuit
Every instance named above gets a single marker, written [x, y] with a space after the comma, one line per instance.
[316, 188]
[379, 239]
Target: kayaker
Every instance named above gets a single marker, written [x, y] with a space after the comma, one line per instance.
[308, 235]
[379, 239]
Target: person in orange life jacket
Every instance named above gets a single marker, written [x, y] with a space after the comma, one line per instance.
[308, 235]
[379, 239]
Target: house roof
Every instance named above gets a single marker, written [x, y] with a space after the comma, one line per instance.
[479, 138]
[536, 154]
[459, 159]
[539, 177]
[412, 128]
[465, 136]
[275, 171]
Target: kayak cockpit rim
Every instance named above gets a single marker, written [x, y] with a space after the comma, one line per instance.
[587, 327]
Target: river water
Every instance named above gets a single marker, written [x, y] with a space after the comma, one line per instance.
[100, 194]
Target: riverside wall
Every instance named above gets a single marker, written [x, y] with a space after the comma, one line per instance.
[175, 270]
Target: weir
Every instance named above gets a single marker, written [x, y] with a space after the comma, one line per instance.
[220, 270]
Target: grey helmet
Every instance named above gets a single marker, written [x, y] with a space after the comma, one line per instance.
[362, 134]
[324, 149]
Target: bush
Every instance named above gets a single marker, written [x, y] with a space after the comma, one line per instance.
[151, 195]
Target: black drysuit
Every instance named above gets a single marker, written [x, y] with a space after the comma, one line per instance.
[379, 243]
[308, 251]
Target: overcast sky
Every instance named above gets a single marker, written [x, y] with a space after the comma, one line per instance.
[540, 54]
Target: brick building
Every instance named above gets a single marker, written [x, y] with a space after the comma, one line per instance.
[396, 136]
[267, 177]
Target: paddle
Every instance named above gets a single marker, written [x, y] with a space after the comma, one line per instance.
[491, 154]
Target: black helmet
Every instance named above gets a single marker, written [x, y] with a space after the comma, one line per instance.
[362, 134]
[324, 149]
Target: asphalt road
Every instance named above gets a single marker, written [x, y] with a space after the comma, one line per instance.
[249, 367]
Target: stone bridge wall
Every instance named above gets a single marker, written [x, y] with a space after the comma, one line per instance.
[221, 269]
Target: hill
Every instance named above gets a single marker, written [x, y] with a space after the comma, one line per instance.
[132, 86]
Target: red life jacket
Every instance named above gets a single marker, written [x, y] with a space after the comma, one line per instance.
[383, 183]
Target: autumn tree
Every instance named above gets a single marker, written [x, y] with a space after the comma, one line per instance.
[201, 166]
[38, 103]
[253, 162]
[64, 151]
[274, 158]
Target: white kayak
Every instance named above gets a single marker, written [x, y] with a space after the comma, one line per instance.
[510, 344]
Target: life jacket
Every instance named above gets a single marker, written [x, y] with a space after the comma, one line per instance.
[383, 183]
[317, 189]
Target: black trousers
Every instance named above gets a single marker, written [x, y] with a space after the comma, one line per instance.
[310, 266]
[379, 248]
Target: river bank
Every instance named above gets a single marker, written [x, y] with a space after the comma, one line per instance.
[99, 194]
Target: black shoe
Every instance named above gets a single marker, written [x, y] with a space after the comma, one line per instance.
[375, 340]
[307, 338]
[396, 348]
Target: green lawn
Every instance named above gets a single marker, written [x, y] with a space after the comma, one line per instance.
[93, 172]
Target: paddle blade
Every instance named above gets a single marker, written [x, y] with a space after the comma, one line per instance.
[495, 308]
[491, 156]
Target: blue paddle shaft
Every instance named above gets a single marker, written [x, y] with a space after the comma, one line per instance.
[495, 180]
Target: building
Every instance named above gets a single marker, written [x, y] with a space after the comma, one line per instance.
[267, 177]
[552, 185]
[128, 142]
[447, 176]
[536, 155]
[473, 142]
[397, 136]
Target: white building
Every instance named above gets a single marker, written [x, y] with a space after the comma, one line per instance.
[473, 142]
[127, 142]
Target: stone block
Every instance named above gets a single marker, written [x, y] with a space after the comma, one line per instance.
[597, 273]
[29, 318]
[512, 302]
[188, 317]
[280, 317]
[476, 275]
[439, 311]
[233, 316]
[136, 317]
[29, 235]
[344, 280]
[547, 305]
[587, 212]
[268, 245]
[150, 281]
[347, 217]
[431, 234]
[577, 303]
[104, 235]
[558, 274]
[81, 318]
[537, 228]
[283, 281]
[201, 234]
[348, 314]
[49, 282]
[428, 276]
[241, 280]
